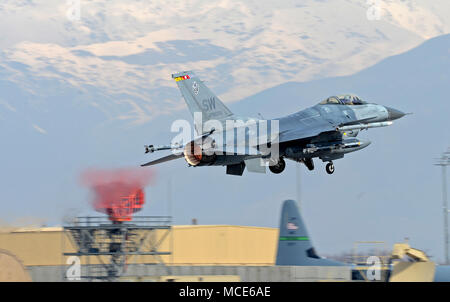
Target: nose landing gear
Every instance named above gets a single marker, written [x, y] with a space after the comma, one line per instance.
[330, 168]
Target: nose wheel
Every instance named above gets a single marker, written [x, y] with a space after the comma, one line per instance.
[330, 168]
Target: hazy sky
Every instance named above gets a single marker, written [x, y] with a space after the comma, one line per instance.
[91, 91]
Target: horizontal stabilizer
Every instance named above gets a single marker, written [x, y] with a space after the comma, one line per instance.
[163, 159]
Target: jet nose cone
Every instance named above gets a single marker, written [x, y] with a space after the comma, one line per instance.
[394, 114]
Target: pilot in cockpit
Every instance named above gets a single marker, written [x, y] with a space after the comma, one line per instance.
[345, 99]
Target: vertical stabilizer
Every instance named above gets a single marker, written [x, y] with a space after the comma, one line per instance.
[294, 244]
[199, 98]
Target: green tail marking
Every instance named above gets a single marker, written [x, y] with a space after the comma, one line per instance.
[293, 238]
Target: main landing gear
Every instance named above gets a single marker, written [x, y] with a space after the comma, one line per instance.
[278, 167]
[330, 168]
[309, 163]
[281, 165]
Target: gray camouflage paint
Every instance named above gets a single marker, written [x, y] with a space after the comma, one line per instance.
[309, 133]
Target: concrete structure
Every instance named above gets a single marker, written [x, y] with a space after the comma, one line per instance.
[149, 273]
[199, 253]
[190, 245]
[11, 269]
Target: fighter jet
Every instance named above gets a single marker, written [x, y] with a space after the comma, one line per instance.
[326, 131]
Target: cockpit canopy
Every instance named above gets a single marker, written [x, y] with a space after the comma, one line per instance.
[343, 99]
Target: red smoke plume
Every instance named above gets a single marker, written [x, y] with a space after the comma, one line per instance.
[118, 193]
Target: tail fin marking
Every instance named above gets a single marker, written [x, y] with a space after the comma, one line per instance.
[294, 244]
[200, 98]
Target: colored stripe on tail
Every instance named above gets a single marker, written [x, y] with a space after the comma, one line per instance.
[199, 98]
[294, 244]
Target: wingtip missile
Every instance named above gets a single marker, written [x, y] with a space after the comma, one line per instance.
[149, 149]
[152, 148]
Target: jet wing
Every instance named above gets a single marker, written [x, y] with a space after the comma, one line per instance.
[304, 133]
[163, 159]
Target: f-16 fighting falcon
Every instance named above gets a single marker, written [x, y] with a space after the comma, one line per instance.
[326, 131]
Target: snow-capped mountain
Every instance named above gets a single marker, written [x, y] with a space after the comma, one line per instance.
[123, 52]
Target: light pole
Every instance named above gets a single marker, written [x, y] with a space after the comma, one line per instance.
[444, 161]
